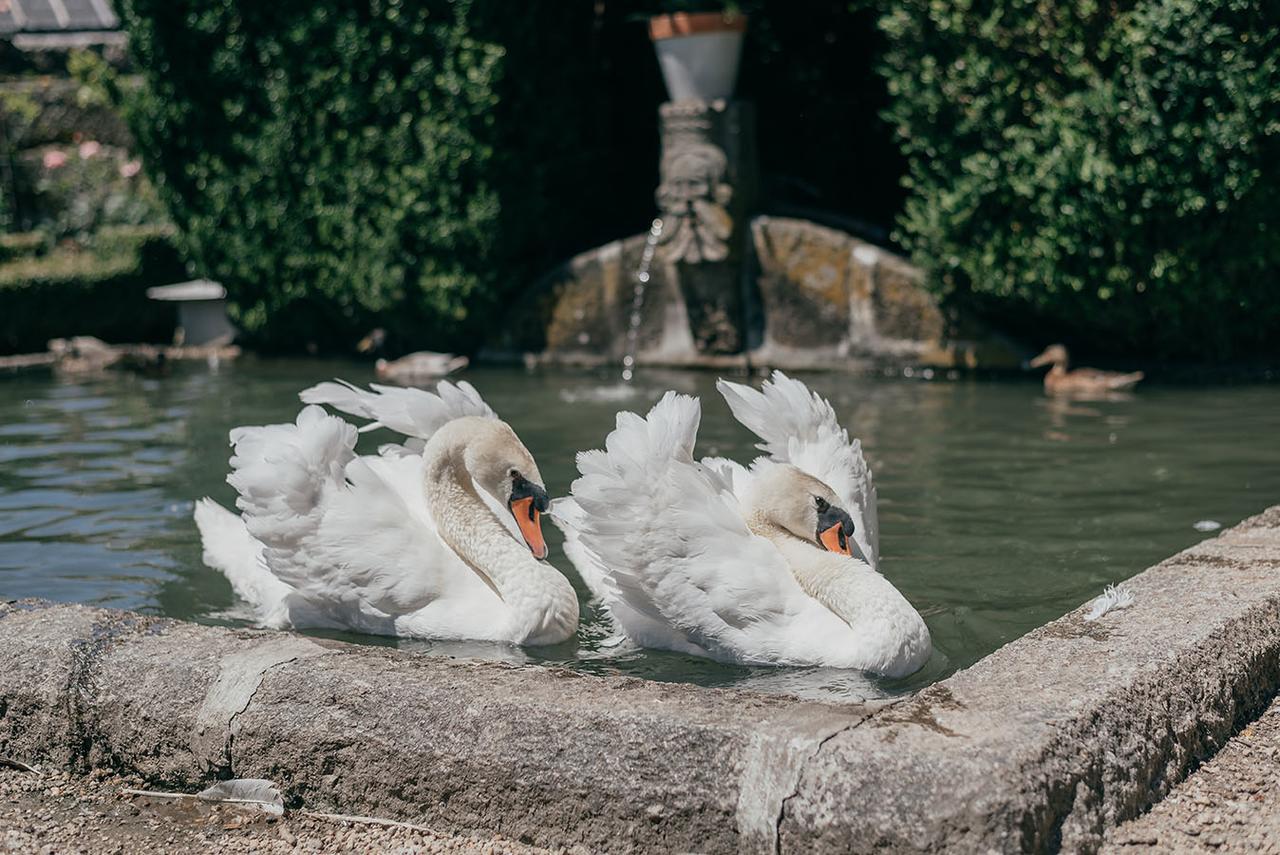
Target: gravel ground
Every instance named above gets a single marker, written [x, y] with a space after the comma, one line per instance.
[53, 812]
[1230, 804]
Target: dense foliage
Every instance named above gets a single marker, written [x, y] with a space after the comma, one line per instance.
[1110, 172]
[337, 164]
[412, 164]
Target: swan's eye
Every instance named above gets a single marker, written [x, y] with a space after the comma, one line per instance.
[821, 504]
[515, 474]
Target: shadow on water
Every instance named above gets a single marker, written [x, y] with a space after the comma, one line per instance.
[999, 509]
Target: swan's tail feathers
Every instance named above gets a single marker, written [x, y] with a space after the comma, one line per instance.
[283, 472]
[412, 412]
[782, 412]
[798, 426]
[668, 432]
[335, 527]
[639, 451]
[232, 551]
[1126, 381]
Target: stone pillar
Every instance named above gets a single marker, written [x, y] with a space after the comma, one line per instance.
[706, 196]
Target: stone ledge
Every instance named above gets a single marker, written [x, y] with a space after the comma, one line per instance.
[1045, 744]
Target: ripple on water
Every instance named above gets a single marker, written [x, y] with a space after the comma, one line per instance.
[999, 509]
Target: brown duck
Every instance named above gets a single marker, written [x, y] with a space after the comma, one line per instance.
[1082, 381]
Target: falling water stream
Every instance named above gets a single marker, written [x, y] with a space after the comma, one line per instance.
[637, 300]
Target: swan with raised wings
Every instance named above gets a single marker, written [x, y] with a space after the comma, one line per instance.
[437, 538]
[775, 564]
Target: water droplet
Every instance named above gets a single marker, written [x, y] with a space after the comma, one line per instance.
[1207, 525]
[643, 277]
[628, 360]
[626, 374]
[635, 319]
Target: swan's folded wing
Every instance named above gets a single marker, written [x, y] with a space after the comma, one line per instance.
[799, 426]
[412, 412]
[672, 542]
[337, 527]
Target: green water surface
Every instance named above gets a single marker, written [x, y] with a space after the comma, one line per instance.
[999, 509]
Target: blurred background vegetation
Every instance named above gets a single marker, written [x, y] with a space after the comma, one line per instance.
[1101, 173]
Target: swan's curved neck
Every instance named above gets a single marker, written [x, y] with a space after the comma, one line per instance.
[543, 606]
[822, 575]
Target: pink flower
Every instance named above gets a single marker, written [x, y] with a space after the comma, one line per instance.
[130, 168]
[89, 149]
[53, 159]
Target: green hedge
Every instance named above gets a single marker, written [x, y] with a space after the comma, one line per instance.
[1105, 172]
[97, 290]
[380, 162]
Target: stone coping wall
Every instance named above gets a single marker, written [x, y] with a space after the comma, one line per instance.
[1043, 745]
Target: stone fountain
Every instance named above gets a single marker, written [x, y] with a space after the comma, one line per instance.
[717, 284]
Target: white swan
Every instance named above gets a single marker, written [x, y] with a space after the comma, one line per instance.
[437, 538]
[771, 565]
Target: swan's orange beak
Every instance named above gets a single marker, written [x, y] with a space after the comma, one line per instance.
[529, 519]
[834, 540]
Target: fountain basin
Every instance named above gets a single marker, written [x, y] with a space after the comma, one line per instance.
[821, 299]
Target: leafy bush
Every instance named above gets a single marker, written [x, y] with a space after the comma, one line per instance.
[341, 165]
[98, 289]
[1109, 171]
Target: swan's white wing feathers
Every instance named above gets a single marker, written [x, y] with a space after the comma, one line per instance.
[413, 412]
[672, 544]
[799, 426]
[334, 526]
[731, 474]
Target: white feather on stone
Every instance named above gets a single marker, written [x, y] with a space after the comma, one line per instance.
[252, 792]
[1112, 598]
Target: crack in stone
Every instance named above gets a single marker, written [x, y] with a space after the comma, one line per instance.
[803, 764]
[231, 723]
[240, 676]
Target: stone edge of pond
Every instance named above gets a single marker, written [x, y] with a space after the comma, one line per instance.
[1045, 743]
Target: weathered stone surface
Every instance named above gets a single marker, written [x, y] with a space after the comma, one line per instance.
[1230, 804]
[582, 312]
[50, 676]
[548, 756]
[823, 300]
[534, 755]
[169, 701]
[806, 283]
[903, 309]
[1068, 730]
[1045, 744]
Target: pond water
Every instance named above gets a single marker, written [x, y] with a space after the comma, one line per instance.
[999, 509]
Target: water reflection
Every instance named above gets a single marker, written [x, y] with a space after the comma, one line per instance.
[999, 508]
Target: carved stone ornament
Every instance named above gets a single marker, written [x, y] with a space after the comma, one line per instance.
[694, 194]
